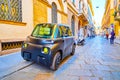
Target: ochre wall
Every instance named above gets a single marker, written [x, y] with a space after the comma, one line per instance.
[117, 28]
[40, 12]
[64, 19]
[111, 16]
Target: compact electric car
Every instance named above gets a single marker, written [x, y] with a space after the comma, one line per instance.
[49, 44]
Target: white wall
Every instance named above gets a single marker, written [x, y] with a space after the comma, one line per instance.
[49, 15]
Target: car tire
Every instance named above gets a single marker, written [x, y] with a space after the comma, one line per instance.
[26, 60]
[56, 61]
[73, 49]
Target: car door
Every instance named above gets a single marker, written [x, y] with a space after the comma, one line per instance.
[66, 40]
[69, 40]
[62, 32]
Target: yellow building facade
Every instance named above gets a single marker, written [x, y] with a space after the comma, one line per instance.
[78, 16]
[17, 22]
[43, 11]
[117, 17]
[15, 29]
[111, 16]
[67, 13]
[106, 16]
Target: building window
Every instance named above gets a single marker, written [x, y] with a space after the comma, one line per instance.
[79, 5]
[54, 13]
[11, 10]
[73, 25]
[73, 1]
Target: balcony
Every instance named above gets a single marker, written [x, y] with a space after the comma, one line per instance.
[117, 15]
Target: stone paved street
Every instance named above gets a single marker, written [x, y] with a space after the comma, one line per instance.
[96, 60]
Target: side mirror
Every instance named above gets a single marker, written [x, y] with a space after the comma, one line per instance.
[65, 35]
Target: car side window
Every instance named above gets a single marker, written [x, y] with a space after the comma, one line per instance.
[65, 31]
[69, 32]
[62, 31]
[58, 32]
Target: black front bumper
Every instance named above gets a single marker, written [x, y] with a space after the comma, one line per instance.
[32, 53]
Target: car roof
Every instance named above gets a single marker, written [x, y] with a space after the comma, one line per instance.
[55, 24]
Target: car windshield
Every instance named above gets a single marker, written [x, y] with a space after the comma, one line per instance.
[43, 31]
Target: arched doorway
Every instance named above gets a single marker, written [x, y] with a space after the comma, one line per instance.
[54, 13]
[79, 25]
[73, 25]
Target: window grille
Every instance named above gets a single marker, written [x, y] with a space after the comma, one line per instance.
[11, 45]
[11, 10]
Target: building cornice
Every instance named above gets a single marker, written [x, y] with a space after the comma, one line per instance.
[91, 7]
[50, 6]
[12, 22]
[45, 2]
[71, 8]
[61, 12]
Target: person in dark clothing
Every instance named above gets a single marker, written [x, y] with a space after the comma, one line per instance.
[112, 37]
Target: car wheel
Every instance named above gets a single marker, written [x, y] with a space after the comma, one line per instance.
[73, 49]
[82, 43]
[26, 60]
[56, 61]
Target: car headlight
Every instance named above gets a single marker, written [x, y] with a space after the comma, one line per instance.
[45, 50]
[25, 45]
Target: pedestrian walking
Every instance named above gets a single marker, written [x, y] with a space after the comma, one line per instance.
[112, 37]
[107, 35]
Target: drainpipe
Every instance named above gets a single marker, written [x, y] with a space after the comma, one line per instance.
[0, 47]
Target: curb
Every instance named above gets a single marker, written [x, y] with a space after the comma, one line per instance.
[12, 63]
[117, 43]
[14, 69]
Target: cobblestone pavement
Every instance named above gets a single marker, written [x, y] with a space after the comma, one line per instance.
[96, 60]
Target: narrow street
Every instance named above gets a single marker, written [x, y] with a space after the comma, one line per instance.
[96, 60]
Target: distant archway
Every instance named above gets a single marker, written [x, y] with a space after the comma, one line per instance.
[54, 13]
